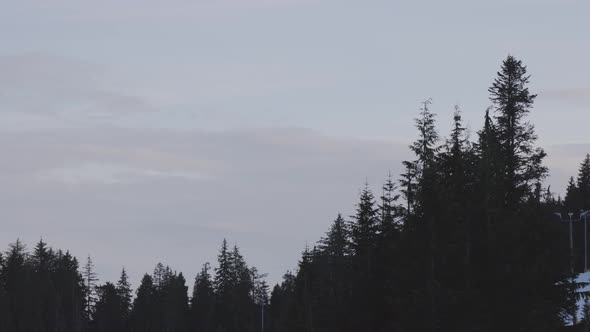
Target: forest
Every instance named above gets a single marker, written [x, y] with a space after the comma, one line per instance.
[465, 239]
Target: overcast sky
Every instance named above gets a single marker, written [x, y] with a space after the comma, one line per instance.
[140, 131]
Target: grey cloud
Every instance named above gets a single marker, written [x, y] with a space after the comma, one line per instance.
[575, 95]
[138, 10]
[50, 86]
[40, 90]
[177, 194]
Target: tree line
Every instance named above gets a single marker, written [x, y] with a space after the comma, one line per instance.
[465, 240]
[48, 290]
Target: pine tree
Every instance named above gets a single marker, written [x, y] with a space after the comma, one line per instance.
[332, 265]
[108, 316]
[521, 161]
[422, 222]
[389, 209]
[260, 295]
[174, 304]
[20, 299]
[336, 244]
[202, 310]
[452, 289]
[515, 227]
[424, 147]
[144, 315]
[125, 294]
[42, 257]
[285, 306]
[365, 227]
[90, 280]
[572, 200]
[223, 273]
[303, 316]
[70, 285]
[409, 185]
[364, 237]
[43, 264]
[161, 275]
[242, 291]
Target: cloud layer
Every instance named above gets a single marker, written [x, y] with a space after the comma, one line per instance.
[176, 195]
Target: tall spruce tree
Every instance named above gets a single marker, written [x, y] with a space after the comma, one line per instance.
[423, 220]
[108, 315]
[364, 236]
[202, 310]
[425, 146]
[90, 280]
[21, 300]
[409, 185]
[175, 303]
[365, 225]
[144, 314]
[521, 161]
[515, 227]
[389, 208]
[125, 295]
[43, 264]
[336, 243]
[70, 284]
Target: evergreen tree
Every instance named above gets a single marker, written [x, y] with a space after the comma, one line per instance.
[364, 236]
[333, 267]
[421, 226]
[425, 146]
[223, 273]
[21, 301]
[515, 227]
[202, 310]
[336, 244]
[161, 276]
[43, 265]
[285, 307]
[175, 303]
[144, 314]
[260, 296]
[243, 289]
[125, 295]
[108, 314]
[303, 315]
[389, 209]
[572, 200]
[90, 280]
[365, 227]
[223, 283]
[521, 161]
[70, 285]
[409, 185]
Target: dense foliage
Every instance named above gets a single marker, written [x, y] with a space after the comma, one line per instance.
[466, 240]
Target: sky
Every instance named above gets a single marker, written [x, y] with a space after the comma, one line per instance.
[146, 131]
